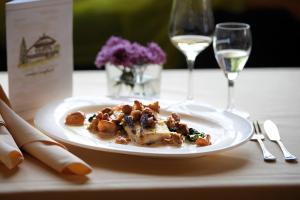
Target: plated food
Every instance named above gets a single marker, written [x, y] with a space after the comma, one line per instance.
[139, 124]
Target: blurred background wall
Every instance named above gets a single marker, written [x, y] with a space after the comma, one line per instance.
[275, 28]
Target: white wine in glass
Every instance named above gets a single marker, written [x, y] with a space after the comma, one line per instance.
[232, 44]
[232, 61]
[191, 45]
[191, 29]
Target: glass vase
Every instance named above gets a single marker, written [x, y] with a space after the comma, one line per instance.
[135, 81]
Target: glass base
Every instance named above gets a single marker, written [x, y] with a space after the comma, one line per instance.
[240, 113]
[187, 107]
[181, 107]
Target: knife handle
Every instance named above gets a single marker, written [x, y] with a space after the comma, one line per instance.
[287, 155]
[267, 155]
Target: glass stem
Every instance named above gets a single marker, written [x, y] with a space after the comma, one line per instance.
[190, 94]
[230, 105]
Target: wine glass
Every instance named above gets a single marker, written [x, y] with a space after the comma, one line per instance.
[191, 30]
[232, 45]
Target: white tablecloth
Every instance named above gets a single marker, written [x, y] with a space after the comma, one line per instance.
[240, 173]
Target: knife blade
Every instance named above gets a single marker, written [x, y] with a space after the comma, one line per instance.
[273, 134]
[271, 130]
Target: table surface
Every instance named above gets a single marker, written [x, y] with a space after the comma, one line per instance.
[238, 173]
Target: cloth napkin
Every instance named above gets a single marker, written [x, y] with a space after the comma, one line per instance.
[10, 154]
[41, 146]
[4, 97]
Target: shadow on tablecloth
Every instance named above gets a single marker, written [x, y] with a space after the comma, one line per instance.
[201, 166]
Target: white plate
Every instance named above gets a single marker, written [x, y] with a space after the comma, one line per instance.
[226, 129]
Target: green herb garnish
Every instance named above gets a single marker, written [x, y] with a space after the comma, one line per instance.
[193, 135]
[91, 118]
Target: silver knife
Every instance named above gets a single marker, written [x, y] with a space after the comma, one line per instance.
[273, 134]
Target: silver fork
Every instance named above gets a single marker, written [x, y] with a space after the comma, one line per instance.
[258, 136]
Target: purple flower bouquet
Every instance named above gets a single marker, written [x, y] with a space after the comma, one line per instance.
[127, 65]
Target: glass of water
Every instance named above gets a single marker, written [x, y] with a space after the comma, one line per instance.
[232, 45]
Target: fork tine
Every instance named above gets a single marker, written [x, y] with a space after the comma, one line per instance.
[254, 127]
[258, 127]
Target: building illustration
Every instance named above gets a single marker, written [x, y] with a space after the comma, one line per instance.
[44, 48]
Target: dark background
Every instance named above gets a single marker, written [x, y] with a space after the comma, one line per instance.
[275, 28]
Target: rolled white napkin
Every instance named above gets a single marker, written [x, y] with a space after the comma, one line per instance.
[10, 154]
[41, 146]
[4, 97]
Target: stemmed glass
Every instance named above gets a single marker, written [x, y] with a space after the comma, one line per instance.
[190, 30]
[232, 45]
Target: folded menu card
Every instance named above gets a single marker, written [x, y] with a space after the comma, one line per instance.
[39, 53]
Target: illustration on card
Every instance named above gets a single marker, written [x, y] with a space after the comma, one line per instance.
[45, 48]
